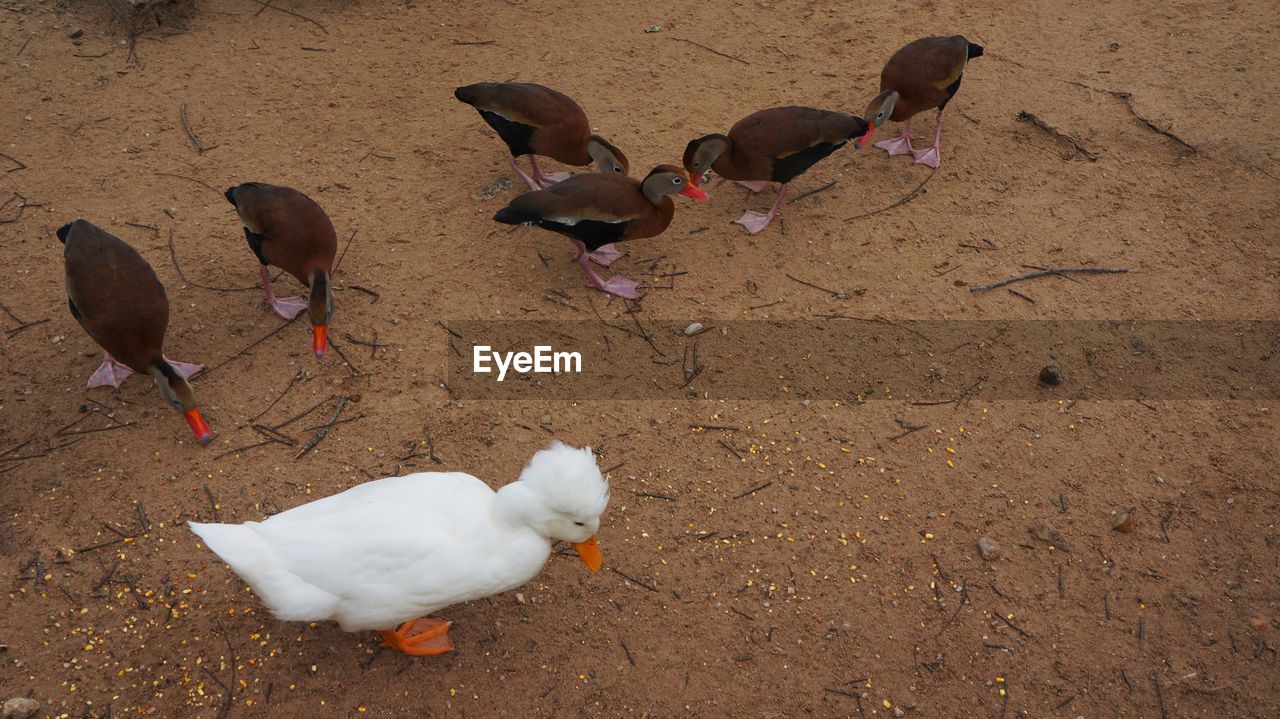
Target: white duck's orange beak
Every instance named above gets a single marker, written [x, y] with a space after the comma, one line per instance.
[589, 551]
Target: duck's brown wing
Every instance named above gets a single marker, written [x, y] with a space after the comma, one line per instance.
[114, 294]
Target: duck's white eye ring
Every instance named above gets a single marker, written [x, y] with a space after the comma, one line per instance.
[676, 180]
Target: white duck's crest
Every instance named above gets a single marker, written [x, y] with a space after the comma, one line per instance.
[567, 480]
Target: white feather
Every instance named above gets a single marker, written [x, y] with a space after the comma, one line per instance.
[399, 548]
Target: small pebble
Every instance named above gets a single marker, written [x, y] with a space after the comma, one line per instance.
[693, 329]
[653, 28]
[1051, 375]
[20, 708]
[1124, 522]
[989, 549]
[75, 32]
[897, 711]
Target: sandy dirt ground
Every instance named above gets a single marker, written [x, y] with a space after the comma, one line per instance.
[850, 584]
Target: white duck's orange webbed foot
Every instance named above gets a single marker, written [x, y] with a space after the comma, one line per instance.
[419, 637]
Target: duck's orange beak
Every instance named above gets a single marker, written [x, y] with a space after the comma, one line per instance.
[589, 551]
[692, 190]
[198, 426]
[320, 340]
[858, 143]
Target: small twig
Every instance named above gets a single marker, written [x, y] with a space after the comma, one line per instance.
[633, 580]
[320, 434]
[725, 427]
[905, 199]
[143, 522]
[711, 50]
[1032, 118]
[837, 295]
[338, 264]
[213, 503]
[273, 435]
[446, 328]
[1053, 271]
[191, 135]
[908, 427]
[729, 447]
[267, 4]
[189, 179]
[1011, 625]
[253, 344]
[18, 164]
[752, 490]
[173, 257]
[627, 649]
[811, 193]
[1016, 293]
[300, 374]
[367, 291]
[1155, 679]
[767, 304]
[351, 367]
[237, 450]
[654, 495]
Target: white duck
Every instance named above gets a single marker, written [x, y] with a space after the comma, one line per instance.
[385, 552]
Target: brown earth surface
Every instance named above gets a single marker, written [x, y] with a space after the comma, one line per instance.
[850, 584]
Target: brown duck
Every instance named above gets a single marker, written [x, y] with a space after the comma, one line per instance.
[116, 297]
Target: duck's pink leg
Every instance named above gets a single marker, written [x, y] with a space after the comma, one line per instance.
[616, 285]
[186, 369]
[932, 155]
[515, 167]
[109, 373]
[754, 221]
[286, 307]
[546, 180]
[605, 255]
[899, 145]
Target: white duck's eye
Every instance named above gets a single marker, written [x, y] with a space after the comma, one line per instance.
[579, 524]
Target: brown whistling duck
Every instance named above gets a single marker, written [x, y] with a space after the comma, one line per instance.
[596, 210]
[287, 229]
[923, 75]
[116, 297]
[535, 120]
[774, 145]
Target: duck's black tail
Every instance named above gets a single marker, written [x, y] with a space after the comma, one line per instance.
[975, 50]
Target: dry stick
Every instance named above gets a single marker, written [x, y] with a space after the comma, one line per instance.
[1016, 293]
[237, 450]
[1155, 679]
[173, 257]
[320, 434]
[189, 179]
[729, 447]
[351, 367]
[633, 580]
[344, 420]
[1053, 271]
[909, 429]
[273, 435]
[1011, 625]
[231, 658]
[267, 4]
[191, 135]
[19, 164]
[361, 288]
[213, 503]
[1032, 118]
[95, 429]
[725, 427]
[833, 293]
[22, 328]
[712, 50]
[752, 490]
[905, 199]
[654, 495]
[627, 649]
[280, 396]
[338, 264]
[143, 522]
[255, 343]
[810, 193]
